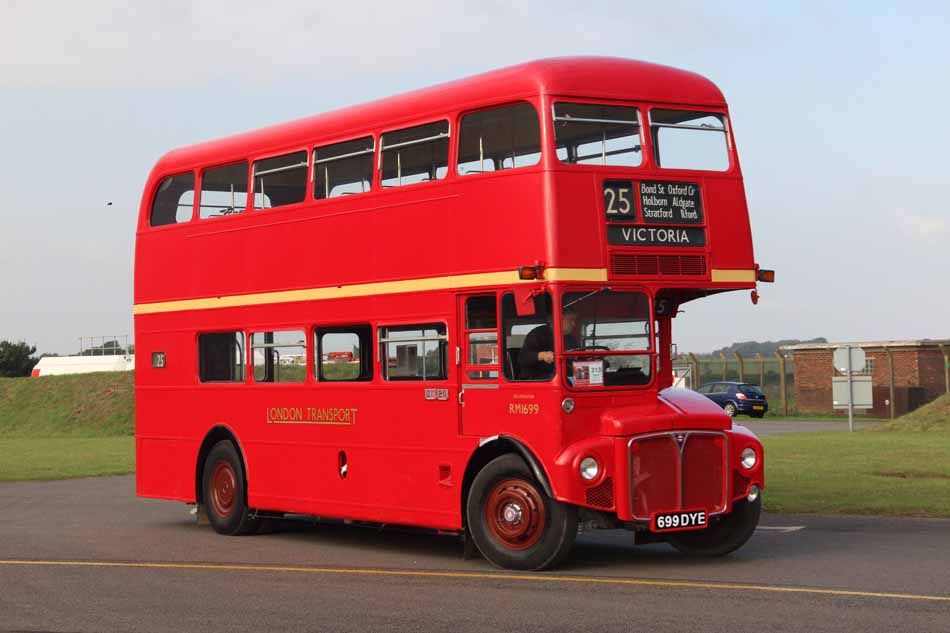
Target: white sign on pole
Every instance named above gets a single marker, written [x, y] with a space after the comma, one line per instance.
[858, 359]
[860, 390]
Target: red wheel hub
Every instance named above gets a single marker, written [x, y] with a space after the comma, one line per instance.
[223, 488]
[515, 514]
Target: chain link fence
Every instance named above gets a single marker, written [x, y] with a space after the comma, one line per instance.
[774, 374]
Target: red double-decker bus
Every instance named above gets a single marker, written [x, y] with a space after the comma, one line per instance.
[502, 258]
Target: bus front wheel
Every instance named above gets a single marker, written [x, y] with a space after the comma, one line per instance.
[224, 491]
[514, 524]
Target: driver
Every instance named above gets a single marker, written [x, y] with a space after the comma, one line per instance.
[536, 358]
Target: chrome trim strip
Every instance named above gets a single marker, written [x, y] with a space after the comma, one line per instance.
[727, 473]
[479, 386]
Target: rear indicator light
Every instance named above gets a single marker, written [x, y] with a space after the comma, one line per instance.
[741, 396]
[766, 276]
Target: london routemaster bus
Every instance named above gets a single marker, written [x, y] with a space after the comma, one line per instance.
[453, 309]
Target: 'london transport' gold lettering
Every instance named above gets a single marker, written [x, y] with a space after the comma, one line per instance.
[312, 415]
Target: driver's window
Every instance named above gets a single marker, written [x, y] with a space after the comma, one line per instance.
[528, 340]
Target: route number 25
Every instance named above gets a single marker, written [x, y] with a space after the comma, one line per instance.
[618, 200]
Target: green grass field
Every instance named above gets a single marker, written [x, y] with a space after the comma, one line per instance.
[899, 468]
[60, 427]
[65, 458]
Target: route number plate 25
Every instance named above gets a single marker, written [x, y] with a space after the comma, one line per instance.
[675, 521]
[618, 201]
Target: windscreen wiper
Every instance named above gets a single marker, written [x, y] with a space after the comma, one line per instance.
[587, 296]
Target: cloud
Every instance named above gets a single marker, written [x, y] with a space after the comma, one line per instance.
[921, 228]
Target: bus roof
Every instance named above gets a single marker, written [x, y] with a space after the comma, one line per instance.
[593, 77]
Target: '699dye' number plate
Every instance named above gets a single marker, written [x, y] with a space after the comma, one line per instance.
[675, 521]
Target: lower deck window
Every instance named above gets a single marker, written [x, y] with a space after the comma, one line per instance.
[414, 352]
[221, 357]
[345, 353]
[279, 356]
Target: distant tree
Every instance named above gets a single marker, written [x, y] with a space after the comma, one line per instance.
[16, 359]
[766, 348]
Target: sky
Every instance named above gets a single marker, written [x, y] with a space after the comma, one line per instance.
[844, 175]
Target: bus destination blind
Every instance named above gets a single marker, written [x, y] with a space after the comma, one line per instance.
[633, 235]
[670, 204]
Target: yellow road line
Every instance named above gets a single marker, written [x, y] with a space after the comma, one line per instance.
[548, 578]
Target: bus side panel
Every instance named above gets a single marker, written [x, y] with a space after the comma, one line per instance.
[730, 235]
[163, 468]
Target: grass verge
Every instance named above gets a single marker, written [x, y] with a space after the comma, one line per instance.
[82, 405]
[895, 473]
[65, 458]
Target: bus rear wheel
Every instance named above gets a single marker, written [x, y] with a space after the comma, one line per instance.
[726, 536]
[224, 492]
[513, 522]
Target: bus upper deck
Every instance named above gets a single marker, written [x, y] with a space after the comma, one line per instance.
[590, 168]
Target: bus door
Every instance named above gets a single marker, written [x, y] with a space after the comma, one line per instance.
[479, 363]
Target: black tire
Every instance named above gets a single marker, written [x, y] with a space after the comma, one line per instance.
[730, 409]
[514, 524]
[224, 492]
[723, 537]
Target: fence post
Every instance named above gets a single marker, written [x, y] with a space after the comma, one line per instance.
[890, 379]
[761, 371]
[741, 366]
[722, 357]
[781, 380]
[696, 378]
[946, 368]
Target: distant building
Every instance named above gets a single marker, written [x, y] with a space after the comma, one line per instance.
[919, 374]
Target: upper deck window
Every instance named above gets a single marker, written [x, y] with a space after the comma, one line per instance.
[684, 139]
[498, 139]
[590, 134]
[280, 180]
[223, 190]
[344, 168]
[415, 154]
[174, 201]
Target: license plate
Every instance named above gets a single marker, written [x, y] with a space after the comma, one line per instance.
[757, 408]
[675, 521]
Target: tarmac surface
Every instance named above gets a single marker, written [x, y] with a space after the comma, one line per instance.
[87, 555]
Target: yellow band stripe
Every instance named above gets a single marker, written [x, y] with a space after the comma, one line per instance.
[548, 578]
[720, 276]
[361, 290]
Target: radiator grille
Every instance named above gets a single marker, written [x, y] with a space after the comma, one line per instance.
[665, 478]
[658, 265]
[602, 495]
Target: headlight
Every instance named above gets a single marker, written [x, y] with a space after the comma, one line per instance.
[749, 458]
[567, 404]
[589, 468]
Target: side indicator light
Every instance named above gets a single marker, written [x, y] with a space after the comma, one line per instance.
[529, 272]
[765, 276]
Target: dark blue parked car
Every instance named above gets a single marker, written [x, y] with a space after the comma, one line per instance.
[737, 398]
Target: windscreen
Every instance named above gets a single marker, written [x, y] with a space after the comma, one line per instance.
[606, 338]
